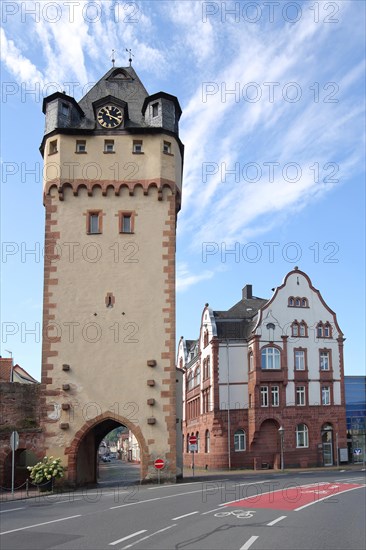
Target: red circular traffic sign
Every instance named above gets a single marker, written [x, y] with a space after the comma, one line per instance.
[193, 440]
[159, 463]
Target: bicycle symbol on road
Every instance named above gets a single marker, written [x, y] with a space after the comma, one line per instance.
[236, 513]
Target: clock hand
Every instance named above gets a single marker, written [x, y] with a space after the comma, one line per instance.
[112, 116]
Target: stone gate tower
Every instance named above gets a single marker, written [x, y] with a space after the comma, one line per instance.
[112, 186]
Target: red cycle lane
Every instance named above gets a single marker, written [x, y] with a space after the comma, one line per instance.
[296, 497]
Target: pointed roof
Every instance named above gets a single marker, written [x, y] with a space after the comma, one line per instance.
[122, 83]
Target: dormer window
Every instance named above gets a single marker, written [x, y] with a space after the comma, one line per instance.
[65, 109]
[155, 109]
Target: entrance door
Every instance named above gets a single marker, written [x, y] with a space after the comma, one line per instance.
[327, 441]
[327, 454]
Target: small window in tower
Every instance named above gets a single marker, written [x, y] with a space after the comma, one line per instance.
[80, 146]
[167, 147]
[94, 222]
[126, 222]
[109, 146]
[137, 147]
[155, 109]
[52, 147]
[65, 109]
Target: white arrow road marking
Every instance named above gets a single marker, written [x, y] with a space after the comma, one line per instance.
[249, 543]
[39, 524]
[128, 537]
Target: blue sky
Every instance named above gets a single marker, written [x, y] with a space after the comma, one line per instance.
[273, 125]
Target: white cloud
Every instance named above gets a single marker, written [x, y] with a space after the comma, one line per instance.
[185, 279]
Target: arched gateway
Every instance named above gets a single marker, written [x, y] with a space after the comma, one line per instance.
[83, 451]
[112, 186]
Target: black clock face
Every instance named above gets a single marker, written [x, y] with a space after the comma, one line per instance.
[110, 116]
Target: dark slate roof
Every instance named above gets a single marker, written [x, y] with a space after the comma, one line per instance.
[122, 83]
[238, 321]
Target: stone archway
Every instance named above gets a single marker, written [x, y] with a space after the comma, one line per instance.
[82, 453]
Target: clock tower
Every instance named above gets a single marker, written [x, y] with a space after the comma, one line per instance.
[112, 187]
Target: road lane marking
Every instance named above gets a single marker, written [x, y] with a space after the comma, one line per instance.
[157, 498]
[276, 521]
[167, 486]
[39, 524]
[66, 501]
[185, 515]
[148, 536]
[210, 511]
[329, 496]
[12, 510]
[249, 543]
[128, 537]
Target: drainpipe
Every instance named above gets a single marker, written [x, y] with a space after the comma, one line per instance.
[228, 406]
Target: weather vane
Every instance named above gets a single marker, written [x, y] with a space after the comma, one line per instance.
[113, 57]
[131, 55]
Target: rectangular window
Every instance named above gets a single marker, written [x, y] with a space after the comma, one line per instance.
[126, 222]
[94, 223]
[324, 360]
[300, 396]
[52, 147]
[137, 146]
[80, 146]
[109, 145]
[275, 396]
[155, 109]
[270, 359]
[167, 147]
[325, 395]
[299, 360]
[264, 396]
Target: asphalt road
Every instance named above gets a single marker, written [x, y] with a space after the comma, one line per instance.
[308, 510]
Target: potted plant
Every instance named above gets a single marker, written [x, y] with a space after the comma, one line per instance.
[44, 472]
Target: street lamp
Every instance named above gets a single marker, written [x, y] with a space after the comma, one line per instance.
[281, 431]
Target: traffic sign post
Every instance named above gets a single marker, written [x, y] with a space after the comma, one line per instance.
[14, 444]
[193, 447]
[159, 464]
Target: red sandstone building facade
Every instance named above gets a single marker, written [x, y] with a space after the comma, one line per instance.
[260, 366]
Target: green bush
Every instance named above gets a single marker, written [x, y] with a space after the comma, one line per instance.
[46, 469]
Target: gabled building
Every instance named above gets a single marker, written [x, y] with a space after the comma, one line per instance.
[262, 365]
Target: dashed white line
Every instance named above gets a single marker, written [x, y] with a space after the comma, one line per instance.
[211, 511]
[249, 543]
[12, 510]
[39, 524]
[157, 498]
[276, 521]
[128, 537]
[148, 536]
[185, 515]
[66, 501]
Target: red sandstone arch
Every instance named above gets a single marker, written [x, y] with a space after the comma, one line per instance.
[108, 421]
